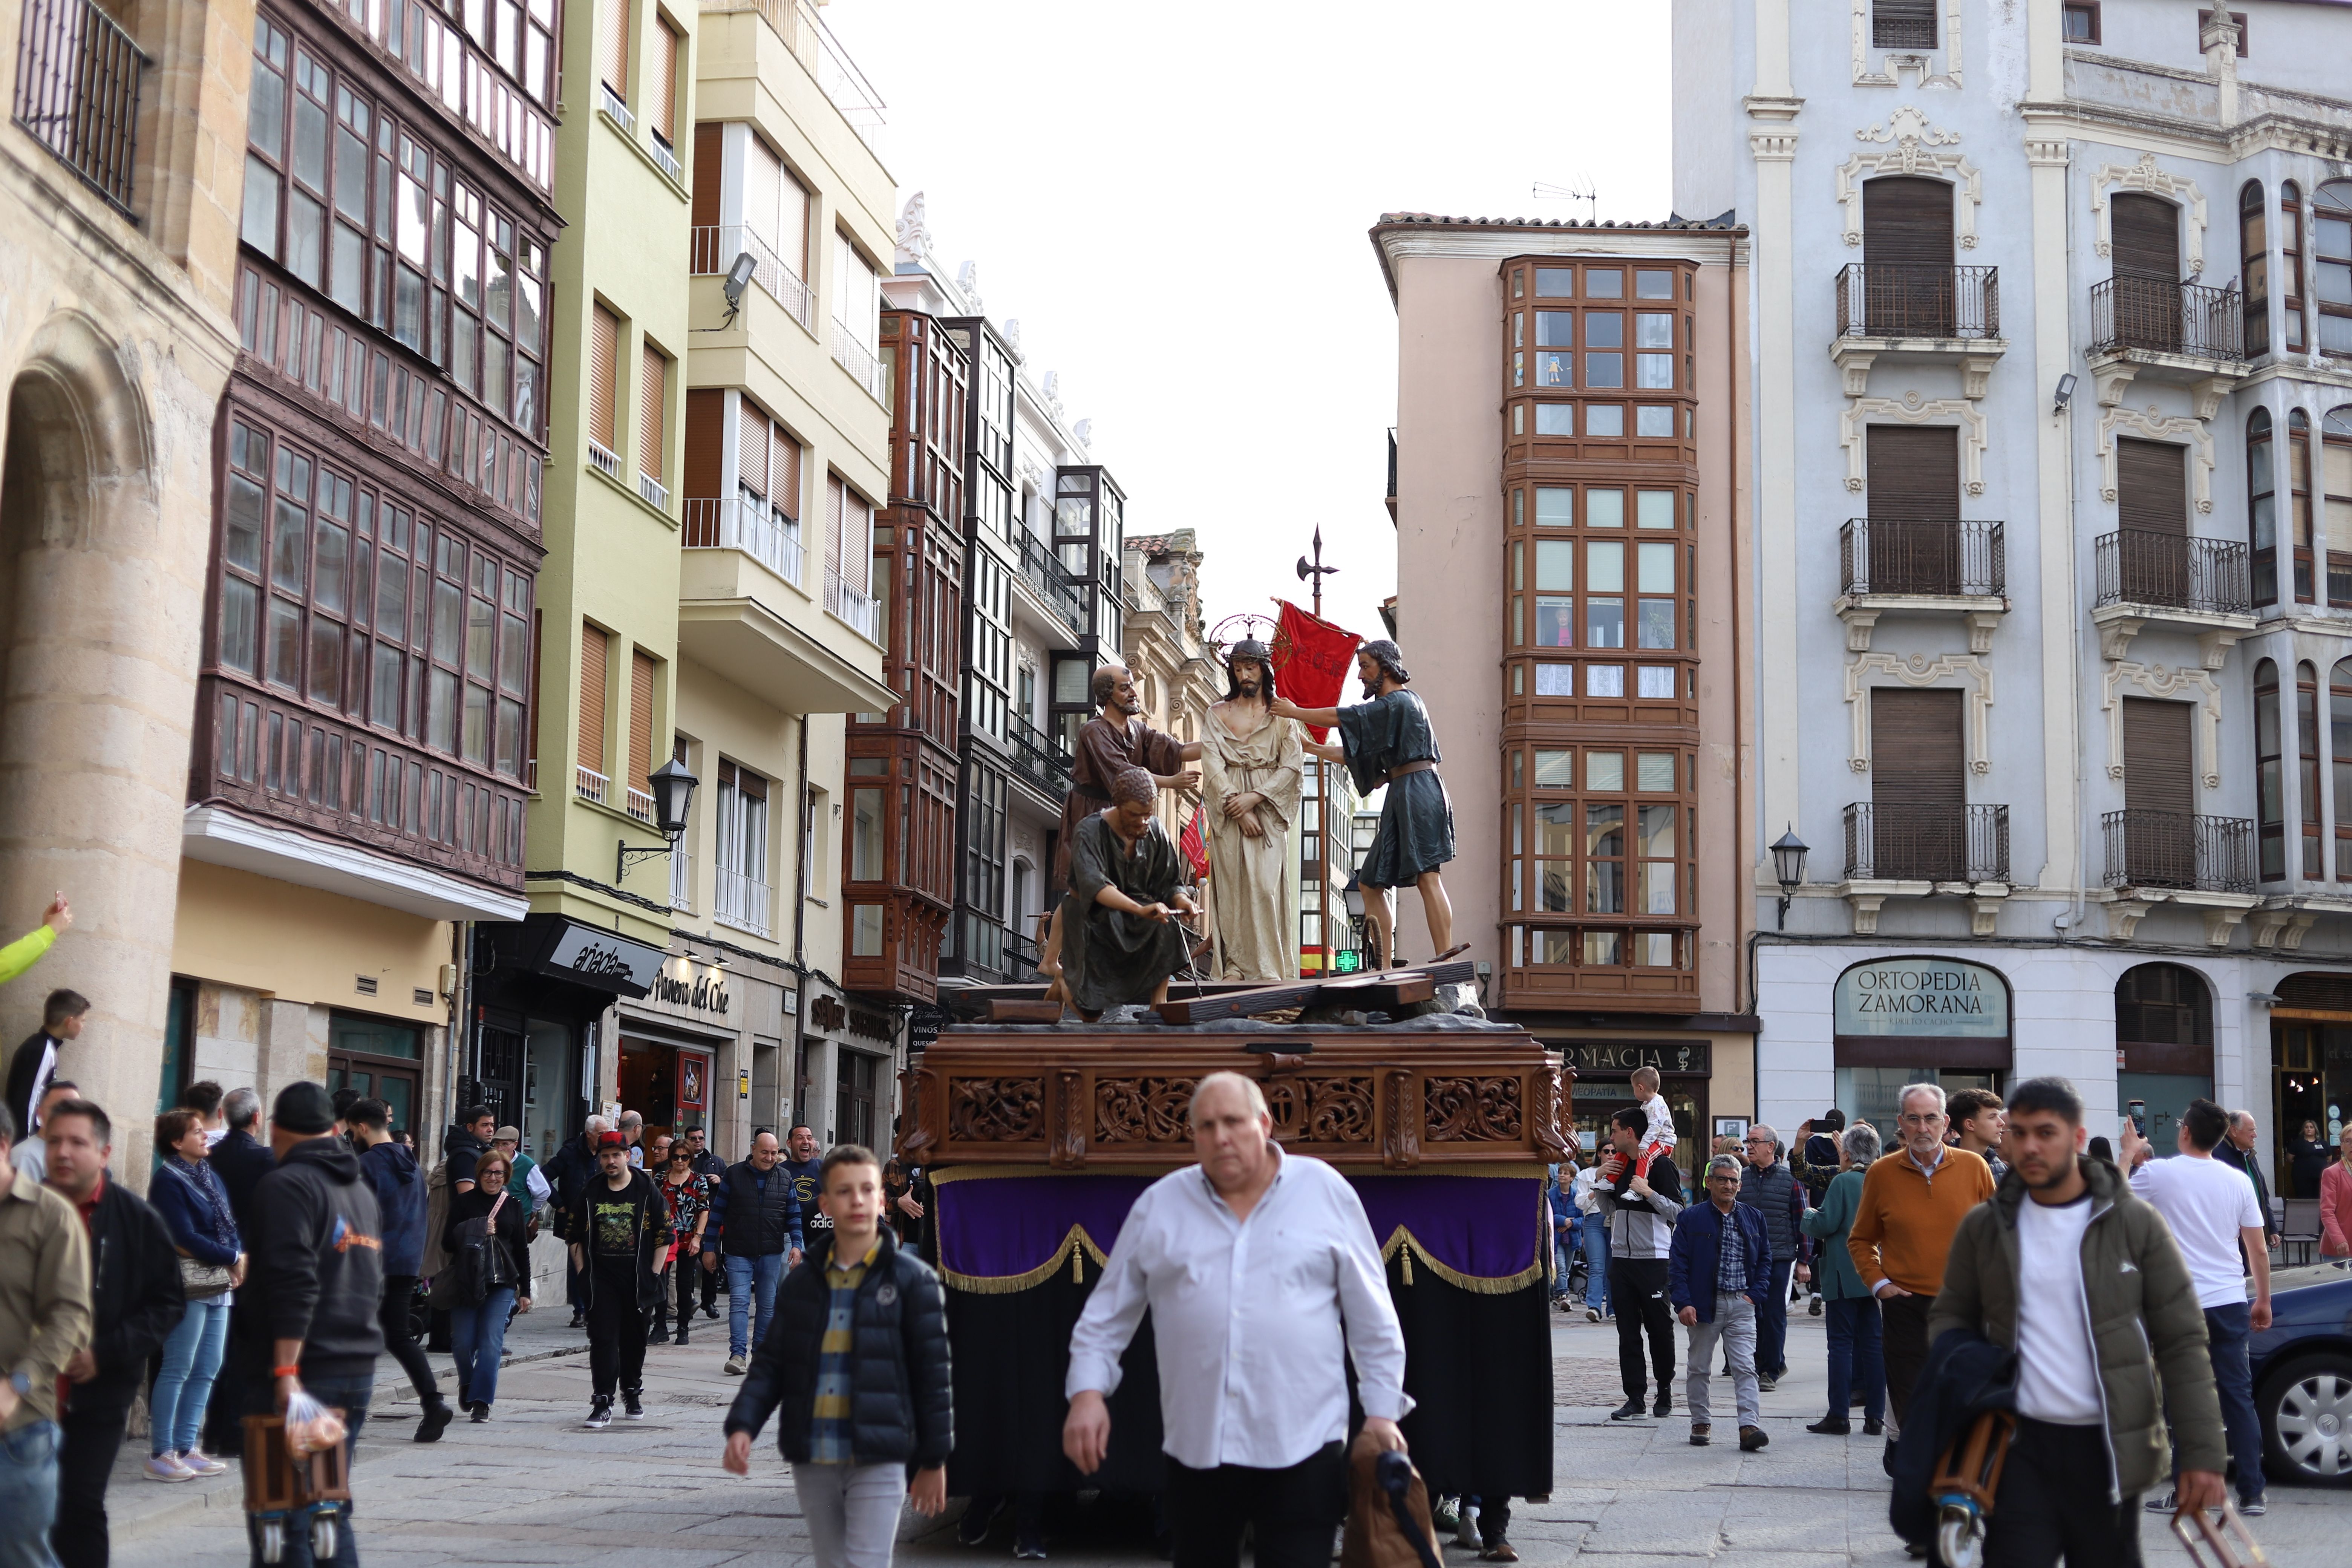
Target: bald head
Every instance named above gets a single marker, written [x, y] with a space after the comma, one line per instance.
[1218, 1085]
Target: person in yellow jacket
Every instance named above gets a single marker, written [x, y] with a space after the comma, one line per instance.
[35, 1060]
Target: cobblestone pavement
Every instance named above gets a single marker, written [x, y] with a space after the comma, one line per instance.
[532, 1487]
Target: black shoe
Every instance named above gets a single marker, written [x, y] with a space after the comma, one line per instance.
[1029, 1545]
[711, 1313]
[1872, 1428]
[680, 1339]
[2253, 1508]
[1629, 1411]
[1831, 1426]
[1752, 1438]
[981, 1512]
[632, 1405]
[600, 1413]
[481, 1412]
[434, 1422]
[579, 1319]
[1888, 1464]
[1663, 1405]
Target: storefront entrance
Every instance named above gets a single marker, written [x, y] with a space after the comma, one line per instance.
[1916, 1019]
[669, 1085]
[2311, 1056]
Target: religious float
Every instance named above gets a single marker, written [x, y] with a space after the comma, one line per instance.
[1038, 1136]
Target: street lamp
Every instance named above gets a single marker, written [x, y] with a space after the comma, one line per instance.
[672, 788]
[1788, 866]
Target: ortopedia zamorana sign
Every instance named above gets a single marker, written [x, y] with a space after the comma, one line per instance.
[1940, 998]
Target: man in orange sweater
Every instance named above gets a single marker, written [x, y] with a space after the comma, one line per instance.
[1912, 1201]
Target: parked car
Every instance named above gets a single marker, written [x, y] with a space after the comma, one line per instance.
[2303, 1376]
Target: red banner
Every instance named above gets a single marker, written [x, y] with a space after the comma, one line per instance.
[1196, 853]
[1312, 660]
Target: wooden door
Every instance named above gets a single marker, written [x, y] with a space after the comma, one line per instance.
[1907, 247]
[1919, 784]
[2145, 231]
[1914, 502]
[2160, 792]
[2152, 547]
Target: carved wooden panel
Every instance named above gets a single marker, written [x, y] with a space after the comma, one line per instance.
[1473, 1109]
[996, 1109]
[1321, 1110]
[1142, 1109]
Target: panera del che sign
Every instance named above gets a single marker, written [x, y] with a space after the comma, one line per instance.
[1939, 998]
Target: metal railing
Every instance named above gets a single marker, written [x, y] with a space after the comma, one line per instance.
[2172, 570]
[1905, 299]
[655, 492]
[2179, 849]
[2160, 316]
[615, 109]
[531, 775]
[639, 804]
[859, 360]
[742, 901]
[77, 81]
[1062, 594]
[853, 605]
[681, 880]
[713, 250]
[1938, 558]
[589, 784]
[1039, 757]
[607, 461]
[665, 157]
[1926, 843]
[760, 532]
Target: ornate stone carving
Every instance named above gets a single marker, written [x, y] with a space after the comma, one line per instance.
[1912, 147]
[1472, 1110]
[996, 1109]
[2156, 428]
[1142, 1109]
[2155, 680]
[1919, 669]
[1913, 409]
[1552, 1129]
[914, 232]
[1892, 65]
[2145, 175]
[1400, 1130]
[1321, 1110]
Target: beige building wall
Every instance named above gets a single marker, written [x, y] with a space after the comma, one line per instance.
[115, 342]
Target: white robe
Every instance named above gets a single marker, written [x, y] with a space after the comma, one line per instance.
[1249, 878]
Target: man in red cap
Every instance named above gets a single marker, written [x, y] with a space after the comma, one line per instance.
[619, 1236]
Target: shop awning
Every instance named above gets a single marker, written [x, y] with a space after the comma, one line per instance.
[571, 950]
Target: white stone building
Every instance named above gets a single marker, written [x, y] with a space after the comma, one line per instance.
[2050, 509]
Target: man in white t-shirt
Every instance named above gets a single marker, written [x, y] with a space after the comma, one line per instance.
[2212, 1211]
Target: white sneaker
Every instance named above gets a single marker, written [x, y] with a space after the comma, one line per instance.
[737, 1366]
[167, 1468]
[197, 1462]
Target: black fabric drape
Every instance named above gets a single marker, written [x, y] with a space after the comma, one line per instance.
[1477, 1366]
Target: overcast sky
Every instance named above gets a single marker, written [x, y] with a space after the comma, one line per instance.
[1174, 204]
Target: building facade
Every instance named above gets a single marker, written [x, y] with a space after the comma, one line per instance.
[119, 192]
[2053, 364]
[1567, 407]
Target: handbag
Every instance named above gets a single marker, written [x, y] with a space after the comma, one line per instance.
[202, 1281]
[477, 1266]
[1389, 1524]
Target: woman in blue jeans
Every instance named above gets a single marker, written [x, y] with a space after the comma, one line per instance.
[1596, 1248]
[1857, 1357]
[478, 1331]
[195, 1206]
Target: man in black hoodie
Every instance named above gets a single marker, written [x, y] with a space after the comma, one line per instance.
[620, 1235]
[135, 1303]
[391, 1175]
[316, 1275]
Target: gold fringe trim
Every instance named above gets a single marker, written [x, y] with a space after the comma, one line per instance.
[1075, 1248]
[1402, 1241]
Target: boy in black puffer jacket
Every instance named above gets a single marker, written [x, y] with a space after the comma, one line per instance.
[856, 1361]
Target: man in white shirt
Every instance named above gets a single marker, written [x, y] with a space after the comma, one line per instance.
[2212, 1211]
[31, 1156]
[1261, 1274]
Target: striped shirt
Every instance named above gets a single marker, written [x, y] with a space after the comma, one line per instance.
[829, 1428]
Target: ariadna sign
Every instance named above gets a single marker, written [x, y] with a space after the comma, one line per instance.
[1940, 998]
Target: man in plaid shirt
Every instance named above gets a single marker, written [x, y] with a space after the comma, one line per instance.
[1718, 1272]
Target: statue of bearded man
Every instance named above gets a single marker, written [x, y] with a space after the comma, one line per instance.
[1250, 785]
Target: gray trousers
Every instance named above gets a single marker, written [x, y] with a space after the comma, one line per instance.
[1734, 1327]
[853, 1511]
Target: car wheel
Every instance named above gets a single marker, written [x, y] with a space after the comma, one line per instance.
[2306, 1410]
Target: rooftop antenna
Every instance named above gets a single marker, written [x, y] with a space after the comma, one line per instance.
[1584, 190]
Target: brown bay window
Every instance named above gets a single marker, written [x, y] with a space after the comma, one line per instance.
[2290, 273]
[2262, 506]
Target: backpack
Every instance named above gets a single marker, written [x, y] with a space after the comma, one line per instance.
[479, 1267]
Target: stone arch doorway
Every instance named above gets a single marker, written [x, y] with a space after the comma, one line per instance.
[2164, 1045]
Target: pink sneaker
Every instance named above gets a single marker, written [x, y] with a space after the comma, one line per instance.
[198, 1462]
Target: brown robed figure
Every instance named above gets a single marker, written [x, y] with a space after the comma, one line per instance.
[1108, 744]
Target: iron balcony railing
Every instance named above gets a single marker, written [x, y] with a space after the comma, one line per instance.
[1928, 558]
[78, 82]
[712, 250]
[1905, 299]
[1039, 759]
[2179, 849]
[753, 527]
[2172, 570]
[2160, 316]
[1926, 843]
[1063, 594]
[859, 361]
[742, 901]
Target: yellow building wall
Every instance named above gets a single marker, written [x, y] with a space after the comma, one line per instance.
[298, 944]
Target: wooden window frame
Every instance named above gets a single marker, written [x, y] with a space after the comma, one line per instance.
[1561, 896]
[2331, 205]
[2262, 506]
[2088, 9]
[2300, 502]
[2253, 266]
[2270, 774]
[2306, 767]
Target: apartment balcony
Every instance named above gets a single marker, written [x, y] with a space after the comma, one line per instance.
[796, 22]
[1061, 597]
[711, 252]
[864, 368]
[78, 78]
[1931, 566]
[1039, 761]
[1904, 311]
[2147, 577]
[2166, 332]
[2206, 863]
[1916, 851]
[743, 902]
[744, 611]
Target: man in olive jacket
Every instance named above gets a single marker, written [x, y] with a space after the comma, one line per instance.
[2109, 1307]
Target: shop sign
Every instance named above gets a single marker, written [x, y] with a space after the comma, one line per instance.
[1932, 998]
[831, 1017]
[704, 993]
[1685, 1057]
[603, 959]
